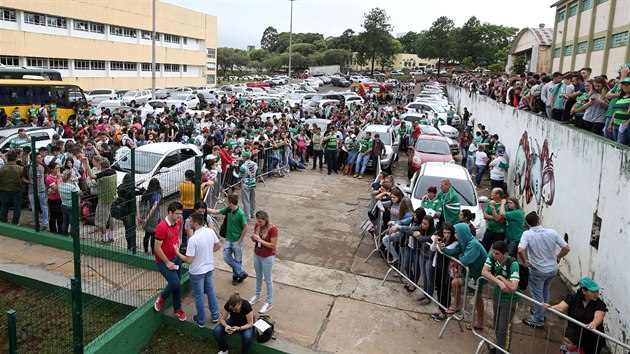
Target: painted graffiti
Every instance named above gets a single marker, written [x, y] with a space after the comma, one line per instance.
[534, 177]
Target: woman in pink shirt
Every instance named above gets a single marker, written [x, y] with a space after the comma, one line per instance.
[53, 180]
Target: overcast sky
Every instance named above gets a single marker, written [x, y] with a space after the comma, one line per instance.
[242, 22]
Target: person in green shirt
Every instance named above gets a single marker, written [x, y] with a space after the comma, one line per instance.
[450, 202]
[317, 148]
[32, 113]
[52, 110]
[495, 230]
[352, 146]
[505, 301]
[514, 216]
[621, 113]
[365, 151]
[331, 142]
[432, 204]
[402, 132]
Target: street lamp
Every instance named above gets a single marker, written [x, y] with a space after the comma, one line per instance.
[153, 55]
[290, 38]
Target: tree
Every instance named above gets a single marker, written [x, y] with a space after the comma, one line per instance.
[305, 49]
[337, 57]
[269, 38]
[386, 57]
[408, 42]
[467, 39]
[258, 55]
[437, 42]
[240, 59]
[520, 65]
[375, 40]
[225, 59]
[273, 62]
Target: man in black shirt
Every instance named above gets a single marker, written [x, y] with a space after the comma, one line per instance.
[237, 316]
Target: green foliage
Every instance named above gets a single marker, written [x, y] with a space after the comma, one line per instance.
[375, 42]
[269, 38]
[408, 42]
[258, 55]
[229, 58]
[305, 49]
[347, 40]
[520, 65]
[437, 42]
[336, 57]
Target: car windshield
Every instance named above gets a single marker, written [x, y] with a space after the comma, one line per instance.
[130, 93]
[429, 130]
[384, 137]
[181, 96]
[438, 108]
[296, 96]
[435, 147]
[463, 187]
[145, 162]
[100, 92]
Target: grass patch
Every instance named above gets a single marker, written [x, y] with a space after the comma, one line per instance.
[44, 320]
[169, 340]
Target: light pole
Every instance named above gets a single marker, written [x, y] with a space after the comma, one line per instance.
[290, 38]
[153, 55]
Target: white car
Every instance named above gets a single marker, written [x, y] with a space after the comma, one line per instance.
[165, 161]
[357, 78]
[190, 100]
[99, 95]
[313, 82]
[294, 98]
[255, 92]
[431, 173]
[390, 138]
[136, 97]
[351, 99]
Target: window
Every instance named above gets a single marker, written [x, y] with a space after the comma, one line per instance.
[211, 66]
[210, 79]
[147, 67]
[171, 38]
[81, 65]
[568, 50]
[598, 43]
[185, 68]
[9, 61]
[573, 10]
[58, 64]
[561, 16]
[173, 68]
[587, 4]
[185, 41]
[619, 40]
[116, 66]
[211, 53]
[7, 15]
[37, 62]
[97, 65]
[35, 19]
[81, 26]
[115, 31]
[130, 66]
[97, 28]
[57, 22]
[147, 35]
[130, 32]
[556, 53]
[582, 46]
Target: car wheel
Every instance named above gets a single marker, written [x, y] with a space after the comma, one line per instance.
[132, 103]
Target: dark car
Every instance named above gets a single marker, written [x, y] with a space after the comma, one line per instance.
[339, 82]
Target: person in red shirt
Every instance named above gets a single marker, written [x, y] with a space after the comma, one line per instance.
[265, 238]
[415, 132]
[166, 236]
[226, 157]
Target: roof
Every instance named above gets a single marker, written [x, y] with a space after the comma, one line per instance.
[164, 148]
[379, 128]
[558, 3]
[544, 36]
[445, 170]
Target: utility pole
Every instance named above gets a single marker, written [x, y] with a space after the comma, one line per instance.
[153, 55]
[290, 38]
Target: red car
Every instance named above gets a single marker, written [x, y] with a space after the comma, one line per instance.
[257, 84]
[429, 148]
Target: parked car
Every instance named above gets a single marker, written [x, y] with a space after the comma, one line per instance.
[42, 136]
[339, 81]
[352, 99]
[317, 105]
[163, 93]
[431, 173]
[190, 100]
[136, 97]
[428, 148]
[430, 108]
[165, 161]
[99, 95]
[391, 140]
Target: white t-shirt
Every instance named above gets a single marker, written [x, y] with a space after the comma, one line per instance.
[201, 246]
[480, 158]
[496, 172]
[540, 244]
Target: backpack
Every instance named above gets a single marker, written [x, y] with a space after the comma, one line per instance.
[268, 334]
[523, 273]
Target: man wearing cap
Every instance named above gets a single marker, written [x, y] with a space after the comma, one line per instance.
[498, 170]
[331, 142]
[248, 173]
[538, 250]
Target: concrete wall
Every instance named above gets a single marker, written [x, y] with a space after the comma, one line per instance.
[572, 178]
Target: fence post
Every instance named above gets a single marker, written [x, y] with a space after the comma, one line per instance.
[11, 328]
[33, 177]
[198, 162]
[77, 301]
[133, 210]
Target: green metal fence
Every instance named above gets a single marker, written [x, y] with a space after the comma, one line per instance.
[112, 219]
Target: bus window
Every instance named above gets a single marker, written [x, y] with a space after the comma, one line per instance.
[60, 94]
[20, 95]
[41, 94]
[74, 94]
[5, 96]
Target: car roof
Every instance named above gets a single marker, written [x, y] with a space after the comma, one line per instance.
[446, 170]
[432, 137]
[164, 148]
[380, 128]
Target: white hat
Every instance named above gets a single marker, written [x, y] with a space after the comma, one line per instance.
[352, 136]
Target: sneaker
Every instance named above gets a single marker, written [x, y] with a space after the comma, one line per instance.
[439, 318]
[234, 280]
[158, 304]
[360, 176]
[265, 308]
[215, 320]
[254, 300]
[224, 352]
[241, 278]
[425, 301]
[530, 322]
[201, 325]
[356, 175]
[179, 313]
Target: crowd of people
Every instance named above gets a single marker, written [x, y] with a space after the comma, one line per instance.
[595, 103]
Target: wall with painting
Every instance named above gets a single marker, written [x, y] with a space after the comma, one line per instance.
[580, 184]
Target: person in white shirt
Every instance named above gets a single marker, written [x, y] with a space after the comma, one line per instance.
[200, 256]
[498, 170]
[481, 163]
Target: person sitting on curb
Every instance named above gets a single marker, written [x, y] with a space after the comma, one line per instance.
[237, 316]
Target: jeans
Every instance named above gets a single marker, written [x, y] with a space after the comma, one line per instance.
[331, 160]
[389, 241]
[55, 220]
[539, 283]
[173, 278]
[10, 198]
[513, 249]
[185, 214]
[43, 206]
[621, 138]
[246, 335]
[490, 237]
[263, 267]
[130, 231]
[362, 162]
[611, 136]
[470, 163]
[203, 283]
[411, 264]
[233, 256]
[464, 155]
[481, 169]
[318, 154]
[503, 314]
[352, 157]
[428, 275]
[66, 213]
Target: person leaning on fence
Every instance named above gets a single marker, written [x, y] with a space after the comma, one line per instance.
[472, 255]
[537, 249]
[11, 189]
[397, 228]
[106, 191]
[248, 173]
[586, 307]
[149, 213]
[187, 198]
[410, 248]
[237, 316]
[200, 255]
[442, 280]
[505, 301]
[166, 238]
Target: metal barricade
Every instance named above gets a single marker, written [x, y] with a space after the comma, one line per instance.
[377, 229]
[507, 334]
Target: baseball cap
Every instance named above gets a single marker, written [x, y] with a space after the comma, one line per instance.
[500, 151]
[625, 80]
[353, 136]
[247, 154]
[589, 284]
[626, 65]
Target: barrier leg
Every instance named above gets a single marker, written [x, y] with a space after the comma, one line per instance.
[386, 275]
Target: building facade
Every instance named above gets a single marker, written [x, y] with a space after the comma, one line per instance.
[591, 33]
[109, 44]
[535, 45]
[399, 61]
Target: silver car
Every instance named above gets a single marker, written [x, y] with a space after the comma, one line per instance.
[391, 140]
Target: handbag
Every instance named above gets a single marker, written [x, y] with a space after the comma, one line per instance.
[118, 209]
[223, 230]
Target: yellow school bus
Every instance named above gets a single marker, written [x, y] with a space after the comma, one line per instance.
[20, 95]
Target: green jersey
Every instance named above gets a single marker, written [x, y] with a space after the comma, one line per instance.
[515, 220]
[493, 225]
[620, 112]
[331, 144]
[511, 274]
[435, 204]
[366, 144]
[450, 205]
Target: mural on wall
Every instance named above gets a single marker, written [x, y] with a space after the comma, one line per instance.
[534, 177]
